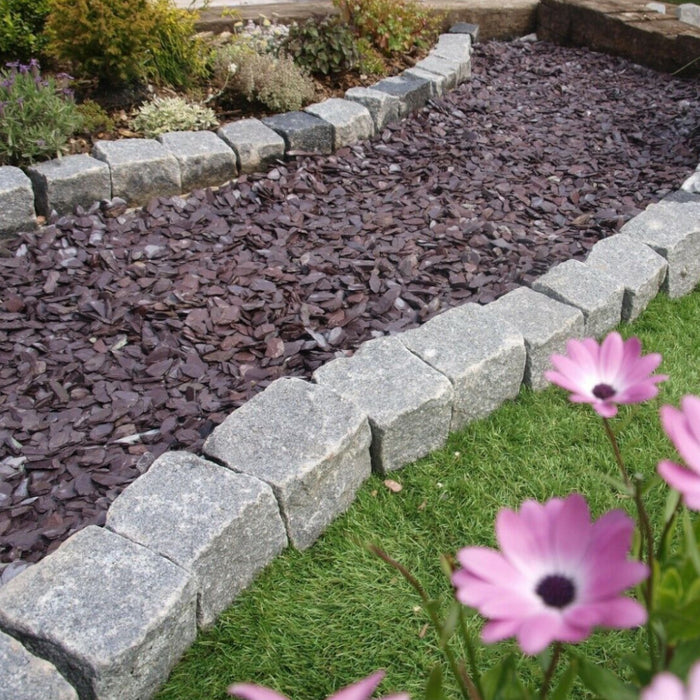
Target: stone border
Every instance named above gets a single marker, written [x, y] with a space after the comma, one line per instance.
[113, 609]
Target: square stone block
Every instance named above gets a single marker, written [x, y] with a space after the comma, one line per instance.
[111, 615]
[255, 144]
[459, 44]
[545, 324]
[482, 356]
[413, 93]
[635, 265]
[437, 82]
[140, 169]
[309, 444]
[351, 121]
[383, 108]
[466, 28]
[409, 403]
[204, 159]
[63, 183]
[302, 131]
[224, 531]
[449, 70]
[598, 295]
[16, 202]
[26, 677]
[672, 229]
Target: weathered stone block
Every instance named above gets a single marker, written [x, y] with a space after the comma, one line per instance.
[204, 159]
[689, 13]
[255, 144]
[111, 615]
[466, 28]
[656, 7]
[26, 677]
[598, 295]
[672, 229]
[409, 404]
[16, 202]
[351, 121]
[139, 169]
[223, 531]
[309, 444]
[692, 184]
[302, 131]
[383, 107]
[545, 324]
[450, 70]
[437, 82]
[635, 265]
[412, 92]
[483, 357]
[63, 183]
[458, 44]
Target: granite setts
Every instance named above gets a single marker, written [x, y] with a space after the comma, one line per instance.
[109, 613]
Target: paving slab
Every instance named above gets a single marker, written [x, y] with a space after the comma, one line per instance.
[111, 615]
[672, 228]
[64, 183]
[635, 265]
[437, 82]
[483, 357]
[224, 531]
[205, 160]
[597, 294]
[409, 404]
[302, 131]
[27, 677]
[383, 107]
[546, 326]
[16, 202]
[413, 93]
[351, 121]
[255, 144]
[139, 169]
[308, 443]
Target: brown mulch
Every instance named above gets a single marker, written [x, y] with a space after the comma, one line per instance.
[126, 334]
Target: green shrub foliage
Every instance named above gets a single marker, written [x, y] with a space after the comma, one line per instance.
[163, 114]
[21, 27]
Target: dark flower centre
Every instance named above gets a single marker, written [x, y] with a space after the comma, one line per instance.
[603, 391]
[556, 591]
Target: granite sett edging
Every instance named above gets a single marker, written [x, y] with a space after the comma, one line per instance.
[108, 614]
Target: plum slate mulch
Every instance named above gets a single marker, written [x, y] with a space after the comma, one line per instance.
[126, 334]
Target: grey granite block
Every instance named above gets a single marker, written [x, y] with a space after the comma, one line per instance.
[450, 70]
[383, 107]
[309, 444]
[63, 183]
[437, 82]
[689, 13]
[16, 202]
[302, 131]
[597, 294]
[545, 324]
[409, 404]
[26, 677]
[412, 92]
[483, 357]
[457, 44]
[224, 531]
[255, 144]
[466, 28]
[692, 184]
[112, 616]
[139, 169]
[204, 159]
[351, 121]
[635, 265]
[672, 228]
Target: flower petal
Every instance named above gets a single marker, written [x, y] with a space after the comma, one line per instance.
[362, 690]
[249, 691]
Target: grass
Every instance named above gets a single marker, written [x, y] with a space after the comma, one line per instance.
[315, 621]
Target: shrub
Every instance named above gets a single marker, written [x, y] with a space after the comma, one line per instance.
[37, 115]
[95, 119]
[370, 61]
[393, 26]
[162, 114]
[21, 27]
[323, 48]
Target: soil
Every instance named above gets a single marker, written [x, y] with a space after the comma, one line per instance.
[126, 334]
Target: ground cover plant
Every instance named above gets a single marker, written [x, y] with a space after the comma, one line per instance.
[316, 621]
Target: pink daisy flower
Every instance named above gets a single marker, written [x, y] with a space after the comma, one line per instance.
[607, 374]
[666, 686]
[362, 690]
[683, 429]
[556, 577]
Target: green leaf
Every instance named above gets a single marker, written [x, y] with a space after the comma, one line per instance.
[450, 624]
[690, 542]
[433, 688]
[683, 624]
[604, 683]
[684, 656]
[618, 484]
[563, 688]
[669, 590]
[501, 682]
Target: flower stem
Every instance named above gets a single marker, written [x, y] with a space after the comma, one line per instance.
[616, 450]
[547, 681]
[471, 654]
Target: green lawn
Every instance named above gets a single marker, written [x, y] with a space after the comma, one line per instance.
[317, 620]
